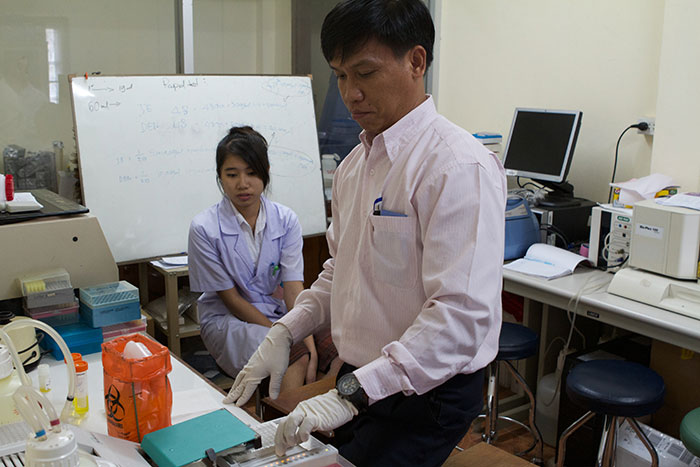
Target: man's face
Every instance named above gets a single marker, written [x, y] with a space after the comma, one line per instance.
[377, 87]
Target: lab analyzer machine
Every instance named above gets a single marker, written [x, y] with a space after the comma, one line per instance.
[610, 237]
[664, 258]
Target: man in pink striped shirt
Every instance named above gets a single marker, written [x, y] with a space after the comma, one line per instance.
[413, 287]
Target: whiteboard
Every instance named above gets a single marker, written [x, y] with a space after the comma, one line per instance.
[147, 150]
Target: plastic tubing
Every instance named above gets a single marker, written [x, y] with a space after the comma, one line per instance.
[66, 412]
[15, 357]
[45, 407]
[30, 410]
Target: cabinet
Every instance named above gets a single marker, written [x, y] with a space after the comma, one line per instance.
[169, 326]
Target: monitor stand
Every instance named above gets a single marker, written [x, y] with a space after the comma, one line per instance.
[561, 196]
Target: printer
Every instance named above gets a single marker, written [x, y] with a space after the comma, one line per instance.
[663, 261]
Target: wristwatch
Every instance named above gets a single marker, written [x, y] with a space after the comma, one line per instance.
[350, 389]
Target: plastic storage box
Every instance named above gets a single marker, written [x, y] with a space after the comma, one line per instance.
[116, 330]
[79, 337]
[60, 315]
[108, 304]
[50, 288]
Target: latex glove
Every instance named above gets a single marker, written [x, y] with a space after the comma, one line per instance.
[270, 359]
[324, 412]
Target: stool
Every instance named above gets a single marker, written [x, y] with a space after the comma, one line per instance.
[690, 431]
[616, 389]
[516, 342]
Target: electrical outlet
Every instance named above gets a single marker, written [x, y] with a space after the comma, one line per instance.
[649, 121]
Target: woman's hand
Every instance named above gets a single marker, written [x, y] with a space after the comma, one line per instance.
[312, 367]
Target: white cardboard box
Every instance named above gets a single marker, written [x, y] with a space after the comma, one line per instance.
[632, 453]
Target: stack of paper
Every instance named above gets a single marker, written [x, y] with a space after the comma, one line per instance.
[682, 200]
[546, 261]
[171, 262]
[23, 202]
[639, 189]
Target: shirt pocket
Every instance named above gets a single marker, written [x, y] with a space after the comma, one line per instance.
[393, 250]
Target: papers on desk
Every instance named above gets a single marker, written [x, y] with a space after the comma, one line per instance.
[546, 261]
[171, 262]
[23, 202]
[639, 189]
[682, 200]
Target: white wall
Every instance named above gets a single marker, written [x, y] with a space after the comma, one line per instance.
[242, 36]
[599, 56]
[678, 120]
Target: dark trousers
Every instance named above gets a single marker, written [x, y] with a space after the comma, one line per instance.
[412, 430]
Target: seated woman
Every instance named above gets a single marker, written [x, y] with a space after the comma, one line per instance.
[240, 251]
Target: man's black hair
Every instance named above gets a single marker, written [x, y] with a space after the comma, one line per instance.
[399, 24]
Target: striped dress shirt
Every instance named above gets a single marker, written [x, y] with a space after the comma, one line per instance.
[413, 295]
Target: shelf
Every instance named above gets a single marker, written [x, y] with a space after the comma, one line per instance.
[188, 329]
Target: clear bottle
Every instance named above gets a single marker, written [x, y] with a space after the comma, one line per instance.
[44, 378]
[9, 382]
[80, 402]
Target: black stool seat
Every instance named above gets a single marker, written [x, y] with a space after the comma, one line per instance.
[516, 342]
[616, 387]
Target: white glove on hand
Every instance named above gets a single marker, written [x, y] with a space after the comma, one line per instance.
[270, 359]
[325, 412]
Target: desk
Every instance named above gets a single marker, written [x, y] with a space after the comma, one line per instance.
[192, 395]
[617, 311]
[54, 205]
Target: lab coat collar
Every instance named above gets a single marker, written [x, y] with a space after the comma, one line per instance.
[230, 226]
[275, 226]
[227, 218]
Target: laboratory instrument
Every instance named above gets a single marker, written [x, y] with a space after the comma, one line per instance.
[610, 237]
[522, 228]
[664, 251]
[666, 240]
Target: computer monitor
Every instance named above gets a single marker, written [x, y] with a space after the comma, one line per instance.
[540, 147]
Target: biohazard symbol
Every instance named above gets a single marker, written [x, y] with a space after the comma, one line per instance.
[114, 407]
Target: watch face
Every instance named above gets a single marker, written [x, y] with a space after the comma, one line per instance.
[348, 384]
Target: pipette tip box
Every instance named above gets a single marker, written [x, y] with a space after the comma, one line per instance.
[59, 315]
[109, 304]
[79, 338]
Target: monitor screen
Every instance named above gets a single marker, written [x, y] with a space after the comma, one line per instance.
[541, 143]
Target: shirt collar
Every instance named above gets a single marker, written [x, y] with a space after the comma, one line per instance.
[231, 221]
[259, 223]
[400, 133]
